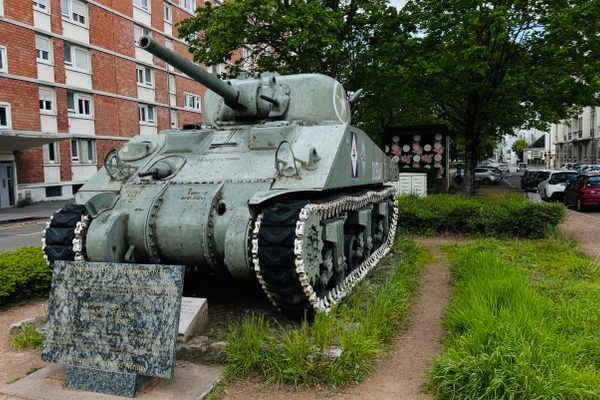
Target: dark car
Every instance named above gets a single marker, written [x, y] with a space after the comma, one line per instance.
[584, 191]
[534, 179]
[527, 175]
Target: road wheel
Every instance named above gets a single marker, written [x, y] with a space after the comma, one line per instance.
[579, 206]
[486, 181]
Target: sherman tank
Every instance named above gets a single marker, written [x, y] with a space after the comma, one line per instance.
[276, 186]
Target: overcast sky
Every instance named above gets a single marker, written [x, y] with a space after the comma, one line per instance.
[398, 3]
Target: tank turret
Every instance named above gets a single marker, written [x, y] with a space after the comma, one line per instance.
[277, 187]
[267, 96]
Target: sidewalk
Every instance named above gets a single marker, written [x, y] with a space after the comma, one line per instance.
[41, 210]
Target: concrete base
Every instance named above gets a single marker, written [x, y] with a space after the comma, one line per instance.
[190, 382]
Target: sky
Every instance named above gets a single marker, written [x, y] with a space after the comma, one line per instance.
[398, 3]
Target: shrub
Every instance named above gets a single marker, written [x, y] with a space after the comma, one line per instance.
[28, 337]
[23, 274]
[489, 216]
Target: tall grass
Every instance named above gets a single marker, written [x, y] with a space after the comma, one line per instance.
[360, 327]
[523, 324]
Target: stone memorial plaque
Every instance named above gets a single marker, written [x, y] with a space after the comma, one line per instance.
[114, 317]
[193, 317]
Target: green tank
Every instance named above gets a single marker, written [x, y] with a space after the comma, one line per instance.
[276, 186]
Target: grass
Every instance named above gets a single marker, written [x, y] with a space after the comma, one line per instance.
[523, 323]
[28, 337]
[360, 327]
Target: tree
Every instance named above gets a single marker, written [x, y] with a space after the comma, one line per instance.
[487, 67]
[519, 146]
[345, 39]
[284, 36]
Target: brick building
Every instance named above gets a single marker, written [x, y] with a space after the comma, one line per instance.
[74, 85]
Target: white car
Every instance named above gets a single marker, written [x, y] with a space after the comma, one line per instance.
[553, 187]
[589, 168]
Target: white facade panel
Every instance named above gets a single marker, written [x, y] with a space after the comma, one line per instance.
[45, 72]
[83, 172]
[78, 79]
[51, 173]
[148, 130]
[168, 29]
[48, 123]
[81, 126]
[143, 55]
[42, 20]
[76, 32]
[142, 16]
[145, 94]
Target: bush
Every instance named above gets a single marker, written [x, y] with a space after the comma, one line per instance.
[489, 216]
[23, 274]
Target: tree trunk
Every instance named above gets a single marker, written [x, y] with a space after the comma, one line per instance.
[472, 144]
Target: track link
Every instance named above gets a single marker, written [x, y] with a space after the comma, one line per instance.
[280, 235]
[65, 233]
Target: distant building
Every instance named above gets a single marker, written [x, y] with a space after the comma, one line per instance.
[578, 139]
[504, 152]
[71, 69]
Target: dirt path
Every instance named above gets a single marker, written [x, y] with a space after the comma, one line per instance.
[16, 363]
[585, 230]
[401, 372]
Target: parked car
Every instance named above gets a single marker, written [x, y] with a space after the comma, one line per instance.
[584, 191]
[487, 176]
[521, 167]
[569, 166]
[527, 175]
[534, 179]
[491, 168]
[589, 168]
[503, 168]
[553, 187]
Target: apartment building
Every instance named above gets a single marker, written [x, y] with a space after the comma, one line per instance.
[74, 85]
[578, 139]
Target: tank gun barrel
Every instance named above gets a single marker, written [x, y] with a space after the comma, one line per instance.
[228, 92]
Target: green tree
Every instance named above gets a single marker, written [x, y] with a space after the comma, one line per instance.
[487, 67]
[283, 35]
[519, 146]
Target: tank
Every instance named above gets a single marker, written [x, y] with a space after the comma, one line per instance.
[276, 186]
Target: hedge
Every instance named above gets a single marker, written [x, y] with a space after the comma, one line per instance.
[487, 216]
[23, 274]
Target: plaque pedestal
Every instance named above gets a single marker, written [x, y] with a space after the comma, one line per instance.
[99, 380]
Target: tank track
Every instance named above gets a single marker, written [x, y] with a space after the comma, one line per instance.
[279, 250]
[64, 234]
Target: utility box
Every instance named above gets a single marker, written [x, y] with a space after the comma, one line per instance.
[411, 183]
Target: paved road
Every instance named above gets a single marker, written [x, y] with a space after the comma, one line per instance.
[18, 234]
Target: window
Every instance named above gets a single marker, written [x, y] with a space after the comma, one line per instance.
[41, 5]
[79, 104]
[146, 114]
[144, 76]
[43, 48]
[138, 32]
[83, 151]
[5, 122]
[172, 88]
[1, 7]
[46, 101]
[51, 154]
[189, 5]
[54, 191]
[174, 119]
[3, 59]
[77, 58]
[191, 101]
[169, 45]
[143, 4]
[167, 9]
[74, 11]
